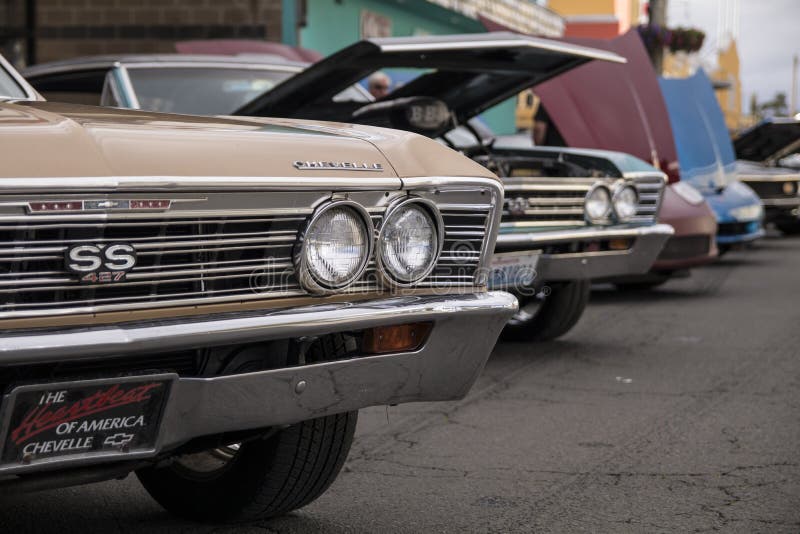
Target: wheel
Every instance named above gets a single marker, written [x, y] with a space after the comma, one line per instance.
[261, 478]
[789, 228]
[549, 315]
[258, 479]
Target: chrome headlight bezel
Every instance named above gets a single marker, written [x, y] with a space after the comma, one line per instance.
[608, 214]
[619, 190]
[305, 275]
[387, 276]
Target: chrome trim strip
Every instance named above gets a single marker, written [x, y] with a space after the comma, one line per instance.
[195, 183]
[177, 63]
[127, 87]
[480, 44]
[770, 177]
[292, 322]
[21, 82]
[585, 234]
[781, 202]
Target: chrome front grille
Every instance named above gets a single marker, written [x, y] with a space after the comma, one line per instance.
[558, 202]
[223, 249]
[185, 258]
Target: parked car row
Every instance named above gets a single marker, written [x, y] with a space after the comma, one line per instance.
[204, 279]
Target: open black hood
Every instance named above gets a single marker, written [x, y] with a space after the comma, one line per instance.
[769, 140]
[469, 73]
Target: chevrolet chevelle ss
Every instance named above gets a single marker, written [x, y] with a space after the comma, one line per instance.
[568, 217]
[208, 302]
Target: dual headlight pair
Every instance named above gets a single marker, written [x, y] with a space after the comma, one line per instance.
[338, 243]
[604, 205]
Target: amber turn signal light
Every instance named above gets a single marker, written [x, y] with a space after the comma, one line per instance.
[399, 338]
[619, 244]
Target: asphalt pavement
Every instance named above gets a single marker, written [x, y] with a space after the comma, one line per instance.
[674, 410]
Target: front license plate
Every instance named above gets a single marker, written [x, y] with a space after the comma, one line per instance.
[48, 422]
[513, 269]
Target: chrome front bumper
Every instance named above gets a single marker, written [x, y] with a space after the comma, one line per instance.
[466, 328]
[647, 244]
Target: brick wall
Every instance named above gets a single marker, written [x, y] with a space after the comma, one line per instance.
[69, 28]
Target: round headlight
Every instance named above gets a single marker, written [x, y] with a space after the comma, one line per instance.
[625, 202]
[336, 246]
[597, 206]
[789, 188]
[409, 242]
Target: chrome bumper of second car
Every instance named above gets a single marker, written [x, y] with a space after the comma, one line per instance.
[465, 328]
[647, 242]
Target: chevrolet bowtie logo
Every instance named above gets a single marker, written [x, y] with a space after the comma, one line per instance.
[118, 440]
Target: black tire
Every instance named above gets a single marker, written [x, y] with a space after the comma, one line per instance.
[265, 478]
[556, 313]
[789, 228]
[261, 478]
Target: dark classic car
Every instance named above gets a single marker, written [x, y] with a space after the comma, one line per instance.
[568, 217]
[762, 151]
[620, 107]
[208, 302]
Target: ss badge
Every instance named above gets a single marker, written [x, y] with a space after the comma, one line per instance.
[100, 262]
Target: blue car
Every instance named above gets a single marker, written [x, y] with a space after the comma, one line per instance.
[707, 159]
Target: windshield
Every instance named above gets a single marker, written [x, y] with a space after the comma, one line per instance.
[201, 91]
[8, 87]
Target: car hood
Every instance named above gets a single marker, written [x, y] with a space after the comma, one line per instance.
[704, 148]
[612, 106]
[769, 140]
[47, 139]
[470, 73]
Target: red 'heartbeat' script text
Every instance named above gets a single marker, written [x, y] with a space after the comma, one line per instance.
[44, 417]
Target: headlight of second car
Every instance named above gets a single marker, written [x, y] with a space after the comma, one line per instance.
[336, 246]
[625, 202]
[410, 241]
[597, 206]
[747, 213]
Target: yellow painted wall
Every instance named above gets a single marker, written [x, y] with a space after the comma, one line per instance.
[566, 8]
[730, 99]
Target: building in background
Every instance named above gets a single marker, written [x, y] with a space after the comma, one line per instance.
[35, 31]
[598, 19]
[729, 87]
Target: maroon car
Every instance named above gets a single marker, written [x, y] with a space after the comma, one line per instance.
[620, 107]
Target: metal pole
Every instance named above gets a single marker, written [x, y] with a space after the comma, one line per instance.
[794, 85]
[658, 17]
[30, 32]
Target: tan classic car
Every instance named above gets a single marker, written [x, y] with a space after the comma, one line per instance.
[209, 302]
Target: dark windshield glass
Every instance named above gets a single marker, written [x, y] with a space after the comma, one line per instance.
[8, 87]
[200, 91]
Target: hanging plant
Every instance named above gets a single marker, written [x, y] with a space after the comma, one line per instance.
[677, 40]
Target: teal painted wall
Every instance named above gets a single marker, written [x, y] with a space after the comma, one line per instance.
[332, 25]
